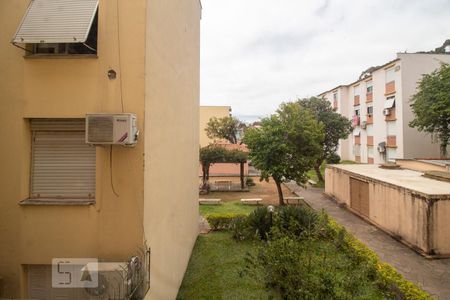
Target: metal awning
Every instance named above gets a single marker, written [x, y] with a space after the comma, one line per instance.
[356, 132]
[56, 21]
[389, 103]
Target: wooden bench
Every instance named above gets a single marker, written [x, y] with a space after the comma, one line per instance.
[289, 200]
[251, 201]
[210, 201]
[226, 183]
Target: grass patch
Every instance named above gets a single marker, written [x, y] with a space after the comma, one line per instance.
[348, 162]
[214, 267]
[231, 207]
[313, 176]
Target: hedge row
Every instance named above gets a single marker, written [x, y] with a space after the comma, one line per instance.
[223, 221]
[388, 276]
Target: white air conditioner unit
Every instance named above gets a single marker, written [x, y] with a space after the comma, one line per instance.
[111, 129]
[381, 147]
[386, 112]
[364, 124]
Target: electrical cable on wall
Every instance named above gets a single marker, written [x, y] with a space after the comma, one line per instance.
[118, 52]
[111, 170]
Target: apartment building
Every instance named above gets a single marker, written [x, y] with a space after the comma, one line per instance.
[63, 198]
[378, 105]
[206, 113]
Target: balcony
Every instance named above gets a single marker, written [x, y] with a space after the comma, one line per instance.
[369, 97]
[390, 88]
[370, 140]
[356, 100]
[391, 141]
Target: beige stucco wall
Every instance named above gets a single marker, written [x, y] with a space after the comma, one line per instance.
[171, 140]
[440, 227]
[392, 208]
[206, 113]
[159, 47]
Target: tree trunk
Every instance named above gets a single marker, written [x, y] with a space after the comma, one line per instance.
[318, 173]
[280, 191]
[203, 174]
[242, 175]
[444, 149]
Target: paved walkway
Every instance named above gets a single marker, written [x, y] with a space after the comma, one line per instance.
[432, 275]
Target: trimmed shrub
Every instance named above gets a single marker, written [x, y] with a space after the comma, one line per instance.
[249, 181]
[259, 223]
[222, 221]
[333, 159]
[298, 221]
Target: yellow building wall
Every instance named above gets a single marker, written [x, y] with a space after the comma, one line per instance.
[171, 140]
[158, 39]
[206, 113]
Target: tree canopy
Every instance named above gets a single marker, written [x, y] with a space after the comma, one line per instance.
[431, 106]
[223, 128]
[335, 127]
[286, 145]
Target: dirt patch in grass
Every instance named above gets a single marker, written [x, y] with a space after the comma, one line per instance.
[265, 190]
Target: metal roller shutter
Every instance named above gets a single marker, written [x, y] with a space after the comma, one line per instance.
[56, 21]
[63, 165]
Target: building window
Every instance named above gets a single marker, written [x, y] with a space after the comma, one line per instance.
[369, 130]
[391, 154]
[369, 87]
[357, 150]
[370, 151]
[357, 111]
[391, 128]
[356, 90]
[62, 165]
[59, 27]
[390, 102]
[370, 110]
[390, 75]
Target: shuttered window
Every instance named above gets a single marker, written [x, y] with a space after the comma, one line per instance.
[40, 286]
[57, 21]
[63, 165]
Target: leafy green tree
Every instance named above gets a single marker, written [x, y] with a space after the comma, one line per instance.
[224, 128]
[286, 145]
[431, 106]
[336, 127]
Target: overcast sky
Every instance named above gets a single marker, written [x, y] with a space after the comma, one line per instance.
[256, 54]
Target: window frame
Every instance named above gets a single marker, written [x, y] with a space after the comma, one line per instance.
[33, 199]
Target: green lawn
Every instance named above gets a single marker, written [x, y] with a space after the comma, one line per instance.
[213, 271]
[226, 207]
